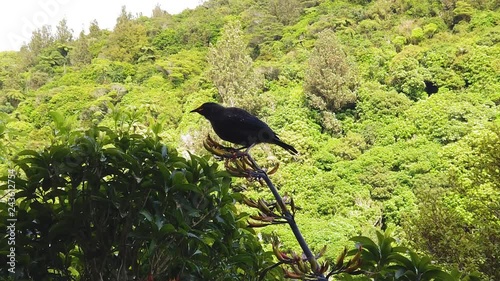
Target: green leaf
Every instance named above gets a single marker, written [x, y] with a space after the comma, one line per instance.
[28, 152]
[59, 228]
[437, 274]
[178, 178]
[147, 215]
[386, 248]
[369, 245]
[56, 192]
[187, 187]
[402, 260]
[57, 117]
[167, 229]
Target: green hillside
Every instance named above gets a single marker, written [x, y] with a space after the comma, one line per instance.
[392, 104]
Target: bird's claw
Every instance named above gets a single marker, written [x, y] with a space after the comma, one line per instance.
[237, 163]
[221, 151]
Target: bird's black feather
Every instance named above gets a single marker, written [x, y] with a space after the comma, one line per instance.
[237, 126]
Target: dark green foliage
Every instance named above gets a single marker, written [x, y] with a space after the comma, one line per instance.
[418, 121]
[115, 205]
[383, 260]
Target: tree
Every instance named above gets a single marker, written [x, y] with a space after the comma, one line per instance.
[63, 33]
[10, 69]
[407, 76]
[460, 225]
[41, 39]
[286, 11]
[481, 198]
[441, 231]
[158, 12]
[80, 54]
[124, 16]
[462, 12]
[113, 204]
[383, 259]
[232, 71]
[94, 29]
[127, 39]
[330, 82]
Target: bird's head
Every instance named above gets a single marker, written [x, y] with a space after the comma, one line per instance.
[208, 109]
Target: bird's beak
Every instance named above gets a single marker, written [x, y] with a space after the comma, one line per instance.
[196, 110]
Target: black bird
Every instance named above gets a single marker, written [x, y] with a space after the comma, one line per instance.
[237, 126]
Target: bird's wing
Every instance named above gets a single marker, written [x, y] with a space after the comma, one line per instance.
[238, 126]
[240, 117]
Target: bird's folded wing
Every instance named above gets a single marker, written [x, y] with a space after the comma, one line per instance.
[245, 120]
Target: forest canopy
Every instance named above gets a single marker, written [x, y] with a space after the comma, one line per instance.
[393, 105]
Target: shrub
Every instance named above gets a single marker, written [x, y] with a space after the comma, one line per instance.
[113, 205]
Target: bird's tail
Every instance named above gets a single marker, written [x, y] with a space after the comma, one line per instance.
[288, 147]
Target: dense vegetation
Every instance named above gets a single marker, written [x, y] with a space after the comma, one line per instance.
[113, 206]
[393, 105]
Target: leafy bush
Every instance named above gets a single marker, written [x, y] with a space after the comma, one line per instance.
[231, 70]
[331, 80]
[119, 206]
[386, 261]
[430, 29]
[407, 76]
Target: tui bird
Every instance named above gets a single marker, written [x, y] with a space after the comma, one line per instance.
[237, 126]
